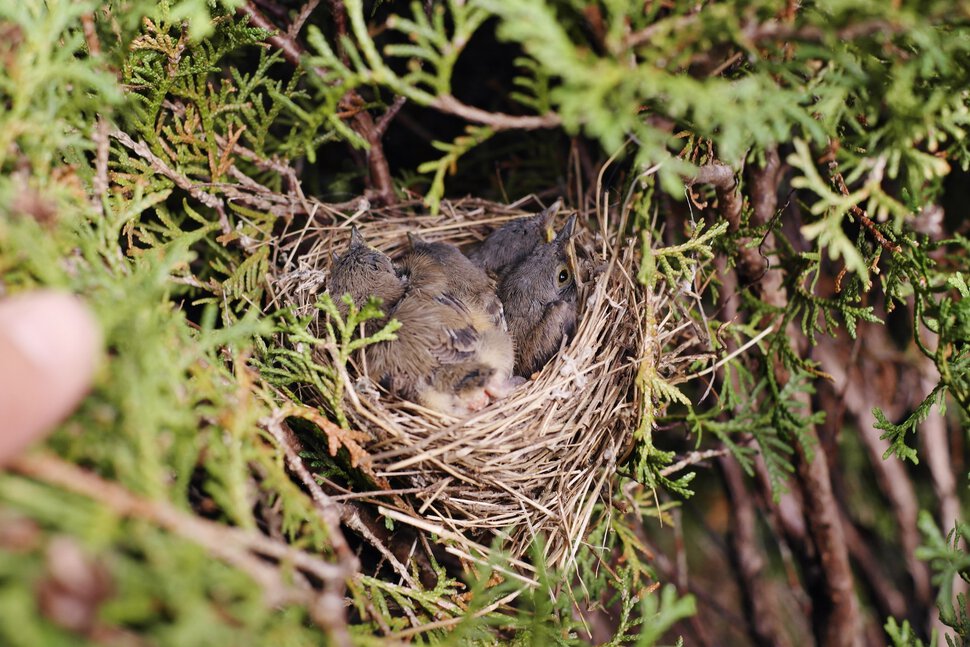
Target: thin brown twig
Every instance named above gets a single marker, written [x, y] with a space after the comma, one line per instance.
[339, 13]
[389, 114]
[90, 34]
[328, 510]
[748, 556]
[297, 25]
[860, 213]
[157, 164]
[234, 545]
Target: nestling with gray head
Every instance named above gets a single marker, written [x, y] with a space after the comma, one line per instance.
[463, 337]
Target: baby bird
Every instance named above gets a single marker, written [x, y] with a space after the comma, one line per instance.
[441, 269]
[434, 360]
[456, 274]
[539, 295]
[507, 246]
[364, 272]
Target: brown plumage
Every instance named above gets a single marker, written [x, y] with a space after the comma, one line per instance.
[454, 273]
[363, 272]
[539, 295]
[436, 359]
[441, 270]
[505, 247]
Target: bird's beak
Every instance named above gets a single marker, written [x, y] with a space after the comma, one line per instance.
[567, 230]
[548, 215]
[564, 239]
[356, 238]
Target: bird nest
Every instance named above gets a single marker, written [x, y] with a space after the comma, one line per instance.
[535, 463]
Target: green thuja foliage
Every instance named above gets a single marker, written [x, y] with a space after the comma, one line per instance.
[152, 154]
[949, 561]
[294, 362]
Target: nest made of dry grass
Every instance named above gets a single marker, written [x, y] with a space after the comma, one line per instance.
[536, 463]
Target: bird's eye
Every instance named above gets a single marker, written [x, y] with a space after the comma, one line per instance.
[562, 275]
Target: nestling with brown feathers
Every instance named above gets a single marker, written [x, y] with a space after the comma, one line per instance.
[440, 268]
[459, 276]
[364, 272]
[445, 357]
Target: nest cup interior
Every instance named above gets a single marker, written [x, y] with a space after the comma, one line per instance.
[533, 463]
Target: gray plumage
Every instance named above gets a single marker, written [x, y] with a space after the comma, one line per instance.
[539, 295]
[363, 272]
[508, 245]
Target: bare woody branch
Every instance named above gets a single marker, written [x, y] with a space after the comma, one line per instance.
[722, 178]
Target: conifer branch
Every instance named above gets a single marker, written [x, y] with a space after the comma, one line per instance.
[142, 150]
[234, 545]
[496, 120]
[351, 103]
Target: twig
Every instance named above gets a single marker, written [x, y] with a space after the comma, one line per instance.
[100, 139]
[497, 120]
[450, 622]
[721, 177]
[764, 186]
[142, 150]
[860, 213]
[692, 459]
[389, 114]
[100, 134]
[753, 263]
[328, 510]
[280, 40]
[785, 32]
[760, 606]
[273, 7]
[332, 513]
[936, 449]
[301, 18]
[727, 358]
[90, 34]
[233, 545]
[837, 619]
[731, 60]
[674, 24]
[889, 601]
[860, 392]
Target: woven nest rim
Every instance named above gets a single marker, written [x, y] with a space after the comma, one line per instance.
[533, 463]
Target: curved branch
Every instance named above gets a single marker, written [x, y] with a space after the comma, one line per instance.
[497, 120]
